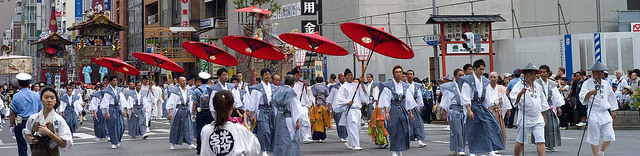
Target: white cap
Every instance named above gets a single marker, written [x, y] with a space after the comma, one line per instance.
[204, 75]
[23, 76]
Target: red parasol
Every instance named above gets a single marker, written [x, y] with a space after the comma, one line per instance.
[158, 60]
[378, 41]
[314, 43]
[116, 64]
[50, 50]
[254, 9]
[253, 47]
[210, 53]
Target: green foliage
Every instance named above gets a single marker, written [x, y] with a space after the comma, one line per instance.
[636, 100]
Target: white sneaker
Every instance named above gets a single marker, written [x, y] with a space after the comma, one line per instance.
[264, 153]
[580, 124]
[461, 153]
[192, 147]
[148, 131]
[118, 145]
[108, 139]
[563, 128]
[357, 148]
[447, 129]
[554, 149]
[172, 147]
[145, 136]
[600, 153]
[472, 154]
[493, 153]
[307, 141]
[343, 140]
[421, 145]
[320, 141]
[393, 153]
[113, 146]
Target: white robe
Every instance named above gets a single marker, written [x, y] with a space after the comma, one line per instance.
[77, 105]
[536, 103]
[495, 99]
[385, 97]
[244, 142]
[305, 124]
[598, 106]
[353, 119]
[62, 130]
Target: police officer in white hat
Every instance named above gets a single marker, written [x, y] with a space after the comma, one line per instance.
[24, 104]
[201, 106]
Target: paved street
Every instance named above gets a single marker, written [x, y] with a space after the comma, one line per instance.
[437, 140]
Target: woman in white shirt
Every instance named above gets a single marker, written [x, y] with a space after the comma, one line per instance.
[46, 131]
[223, 137]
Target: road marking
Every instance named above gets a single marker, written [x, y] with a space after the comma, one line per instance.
[82, 136]
[442, 142]
[83, 143]
[567, 138]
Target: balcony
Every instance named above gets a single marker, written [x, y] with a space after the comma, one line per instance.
[168, 41]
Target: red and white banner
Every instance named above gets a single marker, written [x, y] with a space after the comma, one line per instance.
[185, 13]
[300, 57]
[362, 53]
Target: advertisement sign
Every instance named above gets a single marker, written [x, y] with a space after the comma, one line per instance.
[456, 48]
[185, 13]
[206, 23]
[78, 10]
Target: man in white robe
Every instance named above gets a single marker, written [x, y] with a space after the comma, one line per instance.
[352, 118]
[301, 90]
[532, 104]
[597, 94]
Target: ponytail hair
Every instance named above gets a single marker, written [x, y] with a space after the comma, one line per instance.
[222, 103]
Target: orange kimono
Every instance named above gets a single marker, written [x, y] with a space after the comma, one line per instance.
[320, 119]
[377, 131]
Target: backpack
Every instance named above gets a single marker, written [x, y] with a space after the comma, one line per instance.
[203, 100]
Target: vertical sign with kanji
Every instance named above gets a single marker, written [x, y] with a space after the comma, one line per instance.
[308, 7]
[185, 13]
[203, 64]
[310, 26]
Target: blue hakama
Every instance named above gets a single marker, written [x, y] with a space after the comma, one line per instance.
[100, 124]
[265, 127]
[116, 124]
[418, 127]
[181, 126]
[137, 125]
[71, 117]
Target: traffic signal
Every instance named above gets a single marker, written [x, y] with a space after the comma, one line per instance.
[469, 39]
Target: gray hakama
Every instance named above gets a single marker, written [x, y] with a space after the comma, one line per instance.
[337, 111]
[286, 140]
[137, 125]
[457, 129]
[265, 119]
[483, 132]
[552, 127]
[115, 124]
[455, 115]
[181, 126]
[116, 121]
[137, 120]
[99, 121]
[399, 124]
[418, 127]
[100, 124]
[71, 116]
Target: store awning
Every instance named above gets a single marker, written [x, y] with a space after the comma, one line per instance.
[182, 29]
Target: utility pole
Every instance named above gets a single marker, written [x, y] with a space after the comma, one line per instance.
[436, 61]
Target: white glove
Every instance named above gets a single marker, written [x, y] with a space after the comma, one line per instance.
[11, 130]
[193, 118]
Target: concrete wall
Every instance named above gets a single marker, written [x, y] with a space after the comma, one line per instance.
[619, 52]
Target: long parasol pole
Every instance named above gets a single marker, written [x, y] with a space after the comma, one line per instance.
[363, 71]
[304, 85]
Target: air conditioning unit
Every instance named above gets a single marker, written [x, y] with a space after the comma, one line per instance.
[221, 23]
